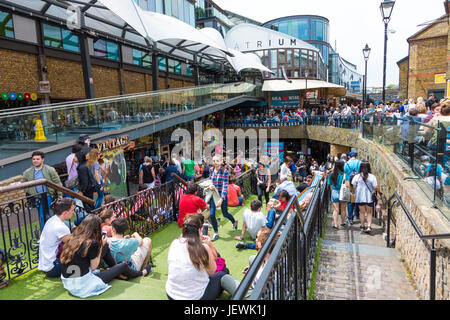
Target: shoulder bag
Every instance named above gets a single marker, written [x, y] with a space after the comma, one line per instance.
[373, 192]
[344, 192]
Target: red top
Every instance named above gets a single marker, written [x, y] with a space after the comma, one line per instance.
[233, 191]
[189, 204]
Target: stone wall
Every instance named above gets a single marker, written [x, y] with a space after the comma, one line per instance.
[5, 197]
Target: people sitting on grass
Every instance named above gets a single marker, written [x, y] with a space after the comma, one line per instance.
[192, 264]
[190, 203]
[80, 258]
[286, 185]
[235, 196]
[133, 250]
[52, 235]
[230, 284]
[107, 216]
[254, 220]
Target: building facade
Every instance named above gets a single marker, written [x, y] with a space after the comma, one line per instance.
[42, 57]
[315, 30]
[425, 70]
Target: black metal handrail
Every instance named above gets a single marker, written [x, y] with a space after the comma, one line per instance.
[422, 236]
[299, 237]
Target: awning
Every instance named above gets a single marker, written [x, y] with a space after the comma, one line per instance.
[240, 61]
[240, 88]
[301, 84]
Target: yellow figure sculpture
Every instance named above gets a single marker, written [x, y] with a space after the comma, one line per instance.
[40, 136]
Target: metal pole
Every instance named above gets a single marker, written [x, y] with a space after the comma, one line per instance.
[388, 231]
[384, 63]
[433, 272]
[365, 86]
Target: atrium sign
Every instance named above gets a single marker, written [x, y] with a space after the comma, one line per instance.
[247, 37]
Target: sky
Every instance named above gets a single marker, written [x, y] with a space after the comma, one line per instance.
[353, 23]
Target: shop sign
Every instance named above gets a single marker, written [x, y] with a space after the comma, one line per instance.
[44, 86]
[440, 78]
[114, 143]
[284, 98]
[312, 95]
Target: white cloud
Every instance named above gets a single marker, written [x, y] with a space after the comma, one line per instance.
[353, 23]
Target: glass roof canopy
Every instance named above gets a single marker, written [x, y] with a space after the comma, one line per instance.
[101, 21]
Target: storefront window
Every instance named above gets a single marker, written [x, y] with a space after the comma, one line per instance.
[6, 25]
[69, 40]
[57, 37]
[162, 63]
[52, 36]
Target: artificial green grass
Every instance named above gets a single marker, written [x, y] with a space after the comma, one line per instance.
[34, 285]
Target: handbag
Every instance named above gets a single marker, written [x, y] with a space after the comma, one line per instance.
[344, 192]
[373, 192]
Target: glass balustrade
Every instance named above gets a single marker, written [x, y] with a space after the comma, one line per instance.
[34, 128]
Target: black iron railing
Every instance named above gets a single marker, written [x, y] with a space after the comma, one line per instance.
[21, 223]
[149, 210]
[422, 236]
[287, 272]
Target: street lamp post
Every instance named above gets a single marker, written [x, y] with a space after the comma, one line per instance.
[386, 11]
[366, 53]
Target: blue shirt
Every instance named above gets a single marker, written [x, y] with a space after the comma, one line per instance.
[122, 249]
[352, 165]
[438, 170]
[37, 176]
[339, 182]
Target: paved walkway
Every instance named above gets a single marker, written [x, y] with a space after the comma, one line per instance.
[358, 266]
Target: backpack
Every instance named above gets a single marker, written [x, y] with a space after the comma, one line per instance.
[353, 173]
[147, 170]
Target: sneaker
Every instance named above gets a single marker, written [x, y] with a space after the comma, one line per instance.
[335, 228]
[215, 237]
[368, 230]
[240, 245]
[350, 222]
[149, 270]
[362, 228]
[235, 225]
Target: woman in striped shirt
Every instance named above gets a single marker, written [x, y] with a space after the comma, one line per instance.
[219, 177]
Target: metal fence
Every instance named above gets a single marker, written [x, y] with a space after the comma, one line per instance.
[287, 273]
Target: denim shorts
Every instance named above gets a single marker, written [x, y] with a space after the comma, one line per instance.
[335, 197]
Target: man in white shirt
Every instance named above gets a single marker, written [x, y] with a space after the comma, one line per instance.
[254, 220]
[51, 237]
[287, 185]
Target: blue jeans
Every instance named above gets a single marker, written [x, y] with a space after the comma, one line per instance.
[212, 213]
[352, 208]
[270, 218]
[189, 178]
[250, 245]
[100, 196]
[56, 271]
[42, 219]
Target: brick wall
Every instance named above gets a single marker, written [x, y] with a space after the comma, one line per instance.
[19, 72]
[5, 197]
[403, 79]
[106, 81]
[66, 79]
[134, 82]
[427, 58]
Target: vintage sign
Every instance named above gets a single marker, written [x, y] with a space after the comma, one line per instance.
[114, 143]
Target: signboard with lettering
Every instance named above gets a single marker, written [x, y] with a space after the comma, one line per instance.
[44, 86]
[439, 78]
[113, 164]
[285, 99]
[311, 95]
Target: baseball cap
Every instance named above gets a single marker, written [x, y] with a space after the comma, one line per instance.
[352, 154]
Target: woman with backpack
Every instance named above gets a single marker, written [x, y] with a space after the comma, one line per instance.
[87, 183]
[366, 187]
[147, 174]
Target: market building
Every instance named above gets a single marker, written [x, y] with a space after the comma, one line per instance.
[423, 74]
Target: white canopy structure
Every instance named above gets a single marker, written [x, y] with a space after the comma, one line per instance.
[302, 84]
[175, 36]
